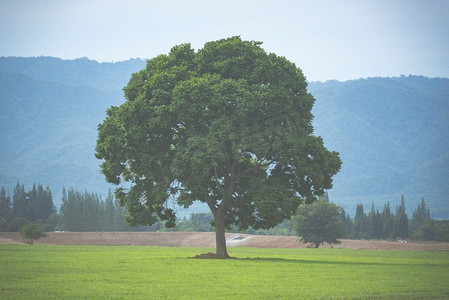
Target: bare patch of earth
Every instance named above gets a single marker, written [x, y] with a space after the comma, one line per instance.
[207, 239]
[292, 242]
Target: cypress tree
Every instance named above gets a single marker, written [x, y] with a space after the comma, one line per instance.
[374, 223]
[387, 222]
[400, 227]
[420, 216]
[40, 198]
[5, 204]
[360, 228]
[70, 210]
[82, 211]
[5, 210]
[346, 223]
[33, 204]
[47, 203]
[20, 207]
[109, 212]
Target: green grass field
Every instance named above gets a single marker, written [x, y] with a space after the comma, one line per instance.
[106, 272]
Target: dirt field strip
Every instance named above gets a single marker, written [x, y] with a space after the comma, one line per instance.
[8, 241]
[207, 239]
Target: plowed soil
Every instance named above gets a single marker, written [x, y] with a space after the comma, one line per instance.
[207, 239]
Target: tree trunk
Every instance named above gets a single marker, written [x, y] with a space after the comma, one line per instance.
[220, 238]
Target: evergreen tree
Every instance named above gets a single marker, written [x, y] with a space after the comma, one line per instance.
[90, 212]
[429, 231]
[400, 226]
[374, 224]
[119, 219]
[109, 212]
[5, 210]
[100, 213]
[70, 210]
[420, 216]
[82, 211]
[5, 204]
[360, 223]
[64, 195]
[33, 204]
[27, 206]
[387, 222]
[346, 223]
[20, 205]
[40, 199]
[45, 203]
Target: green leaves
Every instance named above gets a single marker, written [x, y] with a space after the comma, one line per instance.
[318, 222]
[229, 125]
[32, 231]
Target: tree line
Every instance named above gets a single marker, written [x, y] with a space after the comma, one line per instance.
[323, 221]
[386, 224]
[373, 224]
[79, 211]
[35, 205]
[84, 211]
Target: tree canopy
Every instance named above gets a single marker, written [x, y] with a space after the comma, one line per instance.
[318, 222]
[32, 231]
[229, 125]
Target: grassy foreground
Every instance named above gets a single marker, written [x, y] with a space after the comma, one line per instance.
[105, 272]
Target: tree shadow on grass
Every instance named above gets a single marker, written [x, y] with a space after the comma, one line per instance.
[322, 262]
[211, 255]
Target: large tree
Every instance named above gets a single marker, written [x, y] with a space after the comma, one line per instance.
[229, 125]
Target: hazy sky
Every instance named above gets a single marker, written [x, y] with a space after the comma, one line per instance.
[327, 39]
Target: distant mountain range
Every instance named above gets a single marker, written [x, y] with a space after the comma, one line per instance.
[393, 138]
[392, 133]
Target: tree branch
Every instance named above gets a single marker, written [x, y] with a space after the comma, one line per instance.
[261, 163]
[210, 203]
[218, 182]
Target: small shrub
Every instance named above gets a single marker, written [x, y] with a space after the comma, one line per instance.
[32, 231]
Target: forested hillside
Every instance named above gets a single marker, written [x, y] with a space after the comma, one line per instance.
[393, 138]
[50, 112]
[392, 133]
